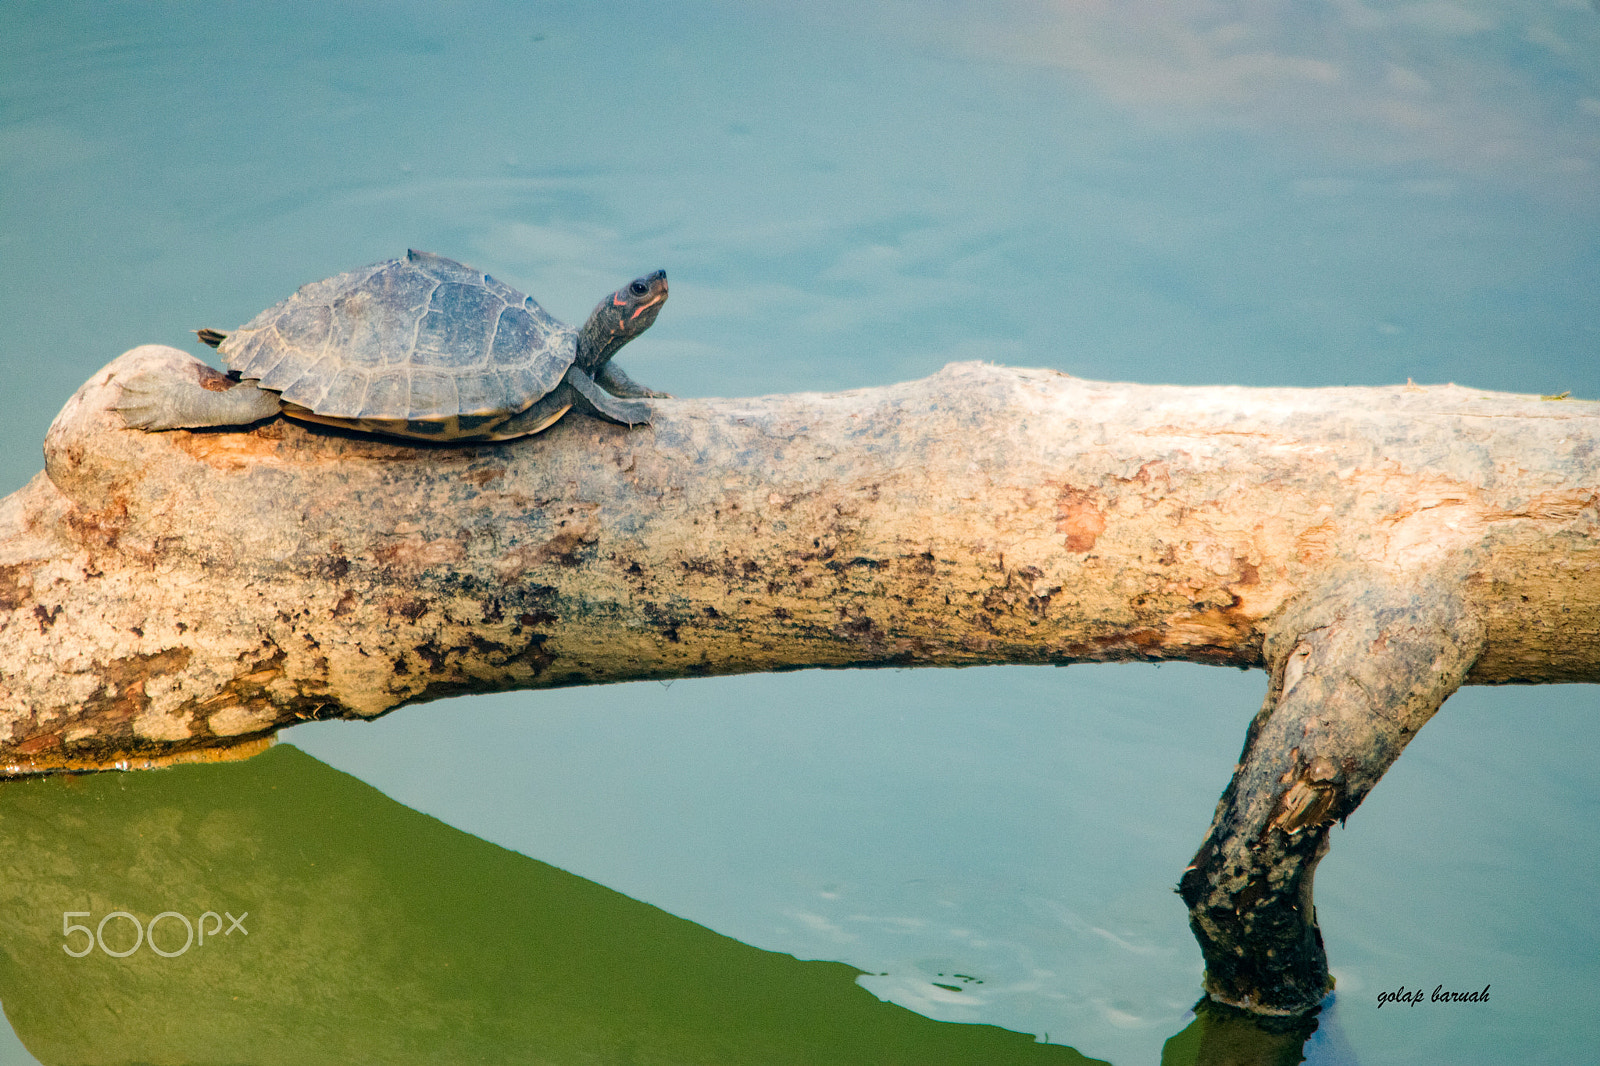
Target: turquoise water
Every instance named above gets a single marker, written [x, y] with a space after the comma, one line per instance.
[847, 195]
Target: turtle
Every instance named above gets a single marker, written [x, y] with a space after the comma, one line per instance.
[422, 347]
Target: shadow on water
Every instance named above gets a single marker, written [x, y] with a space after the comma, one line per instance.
[1223, 1036]
[368, 932]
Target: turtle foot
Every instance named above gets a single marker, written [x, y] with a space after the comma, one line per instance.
[167, 398]
[612, 378]
[145, 401]
[597, 401]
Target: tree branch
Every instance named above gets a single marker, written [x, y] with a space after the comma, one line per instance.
[183, 595]
[1357, 670]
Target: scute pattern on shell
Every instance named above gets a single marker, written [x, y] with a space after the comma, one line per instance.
[422, 339]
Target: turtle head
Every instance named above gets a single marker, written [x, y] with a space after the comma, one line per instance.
[619, 318]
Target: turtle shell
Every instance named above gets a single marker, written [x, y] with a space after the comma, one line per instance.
[421, 347]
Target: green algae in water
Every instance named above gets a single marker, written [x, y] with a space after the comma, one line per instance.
[371, 933]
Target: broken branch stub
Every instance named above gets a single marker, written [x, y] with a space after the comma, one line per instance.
[177, 595]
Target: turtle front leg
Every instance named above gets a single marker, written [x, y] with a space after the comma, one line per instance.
[611, 378]
[597, 401]
[190, 398]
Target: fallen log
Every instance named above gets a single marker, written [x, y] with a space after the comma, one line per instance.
[182, 595]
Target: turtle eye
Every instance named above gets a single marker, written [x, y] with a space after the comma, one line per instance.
[639, 288]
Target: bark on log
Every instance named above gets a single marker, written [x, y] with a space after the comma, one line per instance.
[179, 595]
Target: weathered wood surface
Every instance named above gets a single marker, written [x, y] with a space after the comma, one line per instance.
[175, 595]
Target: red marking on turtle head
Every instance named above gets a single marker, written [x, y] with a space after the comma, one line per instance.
[647, 305]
